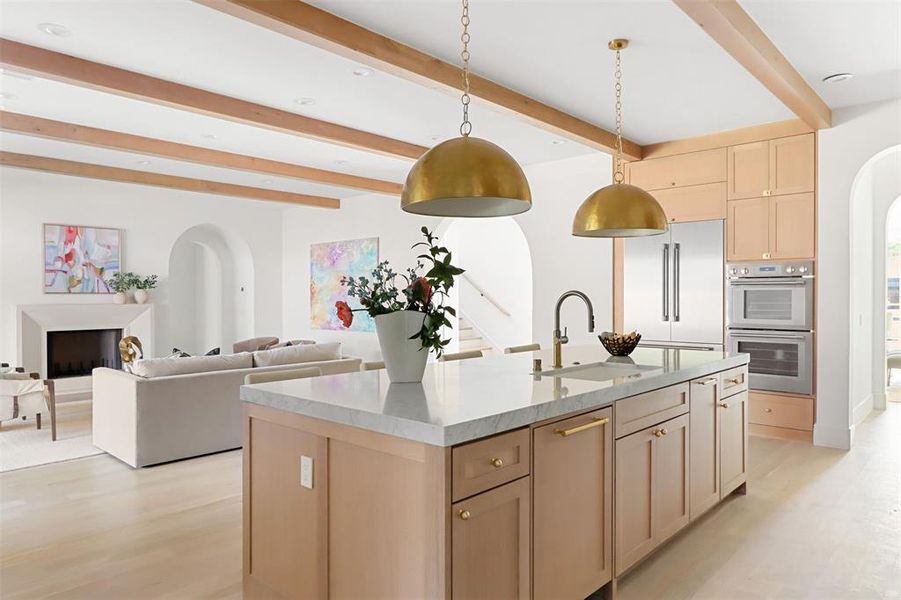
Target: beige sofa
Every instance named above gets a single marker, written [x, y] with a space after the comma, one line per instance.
[174, 408]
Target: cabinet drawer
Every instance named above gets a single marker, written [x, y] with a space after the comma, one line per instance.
[695, 168]
[693, 203]
[487, 463]
[781, 411]
[733, 381]
[636, 413]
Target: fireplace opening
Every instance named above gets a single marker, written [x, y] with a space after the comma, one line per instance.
[78, 352]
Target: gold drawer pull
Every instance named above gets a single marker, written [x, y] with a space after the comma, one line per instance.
[597, 422]
[707, 381]
[724, 404]
[661, 432]
[769, 410]
[465, 514]
[497, 462]
[735, 380]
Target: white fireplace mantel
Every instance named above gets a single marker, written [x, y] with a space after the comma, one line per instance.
[35, 320]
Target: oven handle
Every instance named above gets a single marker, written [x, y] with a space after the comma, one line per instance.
[785, 281]
[766, 336]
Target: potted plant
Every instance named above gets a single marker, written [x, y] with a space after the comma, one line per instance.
[408, 317]
[143, 285]
[121, 282]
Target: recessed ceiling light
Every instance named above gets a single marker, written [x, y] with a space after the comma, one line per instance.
[558, 142]
[143, 162]
[837, 77]
[342, 162]
[55, 29]
[209, 136]
[305, 101]
[362, 72]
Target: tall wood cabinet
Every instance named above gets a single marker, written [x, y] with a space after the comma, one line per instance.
[771, 167]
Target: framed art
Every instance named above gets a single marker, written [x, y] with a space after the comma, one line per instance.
[329, 262]
[79, 259]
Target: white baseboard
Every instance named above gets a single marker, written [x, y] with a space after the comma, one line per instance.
[862, 409]
[833, 437]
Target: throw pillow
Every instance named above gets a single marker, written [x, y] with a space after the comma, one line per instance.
[213, 352]
[176, 353]
[297, 354]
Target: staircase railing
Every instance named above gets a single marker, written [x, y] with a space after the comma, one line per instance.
[486, 295]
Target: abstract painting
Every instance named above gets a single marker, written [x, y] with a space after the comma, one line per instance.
[329, 262]
[78, 260]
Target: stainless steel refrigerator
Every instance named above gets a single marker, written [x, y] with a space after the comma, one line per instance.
[673, 285]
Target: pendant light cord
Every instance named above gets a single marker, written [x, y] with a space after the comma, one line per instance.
[618, 175]
[465, 126]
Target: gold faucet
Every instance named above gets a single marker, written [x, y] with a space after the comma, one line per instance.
[560, 339]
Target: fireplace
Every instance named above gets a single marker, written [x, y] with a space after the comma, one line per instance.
[75, 353]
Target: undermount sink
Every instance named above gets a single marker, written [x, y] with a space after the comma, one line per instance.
[599, 371]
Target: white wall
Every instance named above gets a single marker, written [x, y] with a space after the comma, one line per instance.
[151, 220]
[858, 133]
[861, 294]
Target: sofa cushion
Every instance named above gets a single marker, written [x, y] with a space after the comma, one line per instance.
[297, 354]
[162, 367]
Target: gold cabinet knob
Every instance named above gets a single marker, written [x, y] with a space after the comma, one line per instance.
[724, 404]
[465, 514]
[497, 462]
[660, 432]
[769, 410]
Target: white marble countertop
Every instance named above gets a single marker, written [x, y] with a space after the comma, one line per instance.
[465, 400]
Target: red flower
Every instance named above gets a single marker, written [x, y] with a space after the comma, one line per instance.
[422, 290]
[344, 313]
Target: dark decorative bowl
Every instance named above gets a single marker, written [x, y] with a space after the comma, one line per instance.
[619, 344]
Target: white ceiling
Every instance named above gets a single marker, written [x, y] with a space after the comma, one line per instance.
[678, 82]
[850, 36]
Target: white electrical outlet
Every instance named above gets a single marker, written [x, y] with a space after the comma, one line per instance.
[306, 472]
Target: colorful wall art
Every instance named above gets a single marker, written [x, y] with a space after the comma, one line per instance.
[78, 260]
[329, 262]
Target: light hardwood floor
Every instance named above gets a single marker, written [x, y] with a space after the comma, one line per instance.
[816, 523]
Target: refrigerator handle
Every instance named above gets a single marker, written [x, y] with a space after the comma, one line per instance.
[676, 289]
[666, 282]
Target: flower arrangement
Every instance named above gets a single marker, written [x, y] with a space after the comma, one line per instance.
[425, 293]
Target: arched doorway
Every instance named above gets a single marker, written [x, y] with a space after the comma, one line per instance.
[210, 290]
[495, 294]
[876, 187]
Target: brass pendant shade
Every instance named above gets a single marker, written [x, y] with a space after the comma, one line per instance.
[619, 210]
[466, 177]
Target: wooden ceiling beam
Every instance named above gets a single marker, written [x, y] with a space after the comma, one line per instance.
[92, 171]
[732, 28]
[324, 30]
[76, 71]
[114, 140]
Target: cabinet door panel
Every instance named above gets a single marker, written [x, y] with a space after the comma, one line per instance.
[748, 170]
[634, 498]
[693, 168]
[734, 442]
[288, 522]
[671, 482]
[748, 229]
[705, 445]
[792, 162]
[490, 547]
[693, 203]
[792, 229]
[572, 505]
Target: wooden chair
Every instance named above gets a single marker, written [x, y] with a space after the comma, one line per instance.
[374, 365]
[27, 395]
[461, 355]
[270, 376]
[523, 348]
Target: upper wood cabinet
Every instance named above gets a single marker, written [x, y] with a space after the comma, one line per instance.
[774, 227]
[693, 203]
[772, 167]
[748, 229]
[572, 504]
[652, 489]
[705, 445]
[694, 168]
[491, 544]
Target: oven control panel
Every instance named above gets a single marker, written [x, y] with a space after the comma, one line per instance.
[794, 268]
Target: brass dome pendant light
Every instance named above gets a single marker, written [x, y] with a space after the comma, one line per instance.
[466, 176]
[620, 209]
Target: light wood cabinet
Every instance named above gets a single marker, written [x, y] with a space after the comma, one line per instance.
[572, 482]
[705, 445]
[694, 168]
[487, 463]
[733, 423]
[491, 544]
[693, 203]
[775, 410]
[748, 229]
[772, 167]
[652, 489]
[774, 227]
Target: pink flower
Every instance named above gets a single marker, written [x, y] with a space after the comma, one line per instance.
[345, 314]
[422, 290]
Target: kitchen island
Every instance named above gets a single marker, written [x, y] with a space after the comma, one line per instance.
[486, 480]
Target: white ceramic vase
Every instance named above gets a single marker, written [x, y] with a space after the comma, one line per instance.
[141, 296]
[404, 358]
[120, 297]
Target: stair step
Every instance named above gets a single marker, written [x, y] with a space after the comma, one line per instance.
[473, 344]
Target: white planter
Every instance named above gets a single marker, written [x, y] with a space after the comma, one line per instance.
[141, 296]
[405, 359]
[120, 298]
